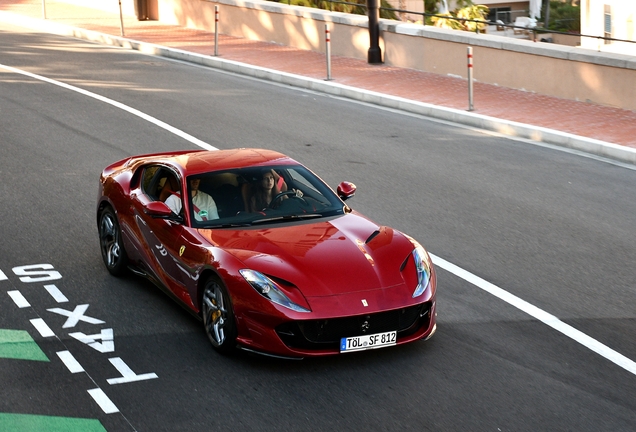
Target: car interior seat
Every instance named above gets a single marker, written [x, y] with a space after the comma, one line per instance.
[169, 187]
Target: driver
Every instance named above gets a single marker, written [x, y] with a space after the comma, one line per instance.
[266, 189]
[270, 185]
[203, 204]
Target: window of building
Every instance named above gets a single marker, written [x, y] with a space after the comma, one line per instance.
[500, 13]
[608, 23]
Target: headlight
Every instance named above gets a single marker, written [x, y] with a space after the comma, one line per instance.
[268, 289]
[423, 268]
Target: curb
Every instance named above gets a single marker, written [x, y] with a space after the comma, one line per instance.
[503, 127]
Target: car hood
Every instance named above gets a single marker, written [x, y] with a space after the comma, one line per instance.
[341, 255]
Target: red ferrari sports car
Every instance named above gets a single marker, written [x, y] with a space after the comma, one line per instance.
[265, 253]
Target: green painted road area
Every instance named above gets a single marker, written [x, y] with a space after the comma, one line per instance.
[35, 423]
[18, 344]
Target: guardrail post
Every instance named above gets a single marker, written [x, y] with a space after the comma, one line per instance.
[470, 79]
[374, 54]
[216, 30]
[328, 51]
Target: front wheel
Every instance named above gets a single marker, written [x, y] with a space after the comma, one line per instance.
[218, 317]
[111, 244]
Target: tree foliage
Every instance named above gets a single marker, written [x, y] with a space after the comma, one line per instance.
[358, 7]
[432, 6]
[466, 10]
[565, 16]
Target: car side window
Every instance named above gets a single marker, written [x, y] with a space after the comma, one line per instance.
[159, 183]
[147, 182]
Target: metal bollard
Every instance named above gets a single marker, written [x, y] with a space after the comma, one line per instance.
[121, 20]
[470, 79]
[328, 51]
[216, 30]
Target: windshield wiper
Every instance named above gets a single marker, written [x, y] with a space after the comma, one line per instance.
[228, 225]
[287, 218]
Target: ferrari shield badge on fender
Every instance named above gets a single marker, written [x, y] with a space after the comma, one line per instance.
[181, 250]
[364, 303]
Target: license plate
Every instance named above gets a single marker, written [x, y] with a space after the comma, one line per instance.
[360, 343]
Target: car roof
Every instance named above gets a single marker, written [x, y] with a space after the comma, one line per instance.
[200, 162]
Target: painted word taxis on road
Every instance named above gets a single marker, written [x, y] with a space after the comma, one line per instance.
[102, 341]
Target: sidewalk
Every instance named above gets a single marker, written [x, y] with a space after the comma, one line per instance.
[610, 125]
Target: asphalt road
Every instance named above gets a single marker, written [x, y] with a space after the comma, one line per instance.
[550, 227]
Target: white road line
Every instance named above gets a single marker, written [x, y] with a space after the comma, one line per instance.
[103, 401]
[18, 299]
[3, 276]
[69, 361]
[127, 374]
[541, 315]
[119, 105]
[56, 293]
[42, 327]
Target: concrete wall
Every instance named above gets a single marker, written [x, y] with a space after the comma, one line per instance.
[298, 27]
[545, 68]
[550, 69]
[128, 7]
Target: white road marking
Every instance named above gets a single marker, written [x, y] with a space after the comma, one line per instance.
[127, 374]
[116, 104]
[56, 293]
[69, 361]
[18, 299]
[539, 314]
[3, 276]
[76, 316]
[40, 270]
[106, 335]
[42, 327]
[103, 401]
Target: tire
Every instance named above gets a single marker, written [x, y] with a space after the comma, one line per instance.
[218, 317]
[111, 244]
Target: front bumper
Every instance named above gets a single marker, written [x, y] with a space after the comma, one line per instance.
[321, 337]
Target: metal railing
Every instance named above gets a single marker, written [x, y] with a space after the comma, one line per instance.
[480, 24]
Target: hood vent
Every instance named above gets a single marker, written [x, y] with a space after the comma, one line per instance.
[372, 236]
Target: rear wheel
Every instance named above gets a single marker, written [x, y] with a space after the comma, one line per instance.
[218, 317]
[110, 241]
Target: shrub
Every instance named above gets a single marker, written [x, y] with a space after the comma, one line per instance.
[564, 17]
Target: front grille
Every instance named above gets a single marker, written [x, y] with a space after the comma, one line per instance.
[326, 334]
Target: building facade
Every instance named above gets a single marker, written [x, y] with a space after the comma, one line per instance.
[611, 19]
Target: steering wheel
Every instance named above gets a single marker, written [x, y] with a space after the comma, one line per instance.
[280, 196]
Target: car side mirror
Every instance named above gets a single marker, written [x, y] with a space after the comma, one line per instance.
[346, 190]
[159, 209]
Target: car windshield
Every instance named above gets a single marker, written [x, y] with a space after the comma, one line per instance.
[259, 195]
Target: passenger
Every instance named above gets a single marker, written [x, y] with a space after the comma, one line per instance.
[202, 203]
